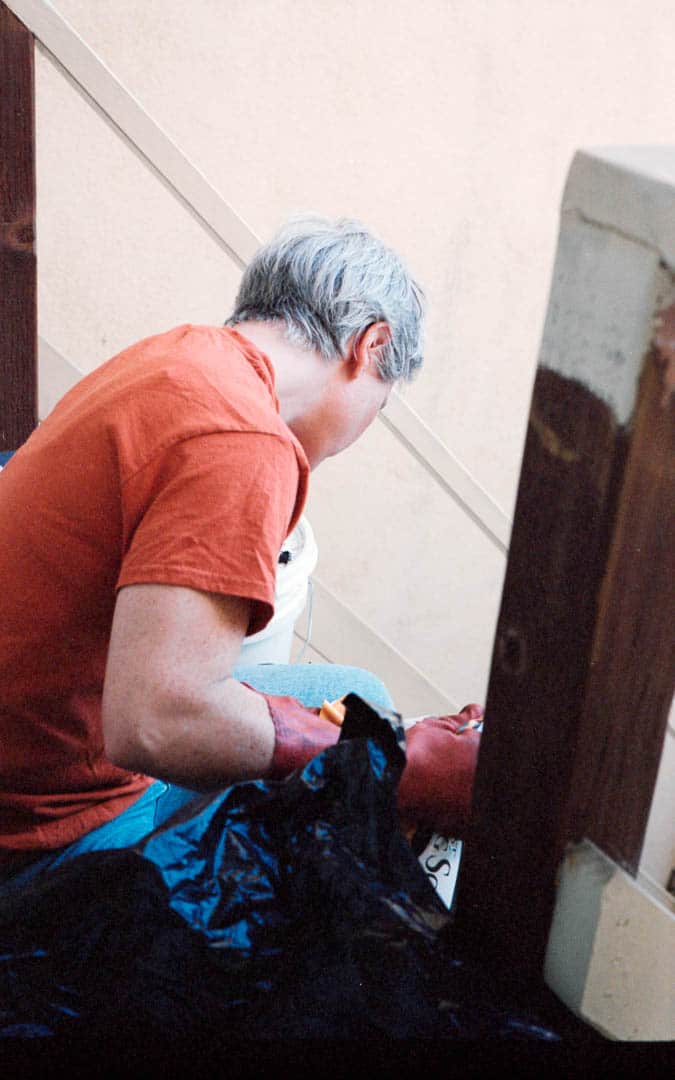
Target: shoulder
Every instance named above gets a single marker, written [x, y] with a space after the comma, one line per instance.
[190, 382]
[212, 372]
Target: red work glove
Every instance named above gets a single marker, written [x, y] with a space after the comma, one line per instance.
[437, 782]
[299, 734]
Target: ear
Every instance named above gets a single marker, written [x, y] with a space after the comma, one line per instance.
[365, 348]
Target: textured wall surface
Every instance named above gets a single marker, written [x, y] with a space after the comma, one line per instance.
[611, 952]
[449, 128]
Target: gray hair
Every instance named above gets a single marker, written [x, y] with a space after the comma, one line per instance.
[329, 281]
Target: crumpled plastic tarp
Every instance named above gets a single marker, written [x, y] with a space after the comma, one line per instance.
[271, 910]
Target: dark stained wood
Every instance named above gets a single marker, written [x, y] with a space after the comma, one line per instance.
[583, 664]
[632, 673]
[18, 290]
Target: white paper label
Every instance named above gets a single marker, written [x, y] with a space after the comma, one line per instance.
[440, 862]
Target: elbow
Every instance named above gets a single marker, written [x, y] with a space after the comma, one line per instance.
[125, 744]
[150, 740]
[126, 754]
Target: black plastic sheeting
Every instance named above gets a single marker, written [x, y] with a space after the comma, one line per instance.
[272, 910]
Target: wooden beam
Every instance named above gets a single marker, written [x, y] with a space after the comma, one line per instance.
[18, 288]
[583, 665]
[632, 663]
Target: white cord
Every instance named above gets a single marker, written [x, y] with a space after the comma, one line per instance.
[305, 643]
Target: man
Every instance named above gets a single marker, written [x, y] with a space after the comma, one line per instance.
[140, 527]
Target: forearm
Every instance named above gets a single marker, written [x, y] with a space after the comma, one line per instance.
[204, 741]
[171, 708]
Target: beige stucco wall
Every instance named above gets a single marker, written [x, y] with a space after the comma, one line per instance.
[449, 128]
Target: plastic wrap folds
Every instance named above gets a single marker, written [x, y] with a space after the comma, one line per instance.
[288, 909]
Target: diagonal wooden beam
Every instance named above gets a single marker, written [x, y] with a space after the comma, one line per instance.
[18, 287]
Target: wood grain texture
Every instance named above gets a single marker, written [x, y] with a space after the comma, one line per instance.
[18, 287]
[632, 671]
[583, 664]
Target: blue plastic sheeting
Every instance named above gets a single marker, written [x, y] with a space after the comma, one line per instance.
[271, 910]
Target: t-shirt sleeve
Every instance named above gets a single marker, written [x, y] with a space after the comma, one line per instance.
[211, 513]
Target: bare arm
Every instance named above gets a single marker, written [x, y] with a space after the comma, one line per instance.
[170, 706]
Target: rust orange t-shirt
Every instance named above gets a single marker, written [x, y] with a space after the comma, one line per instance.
[170, 463]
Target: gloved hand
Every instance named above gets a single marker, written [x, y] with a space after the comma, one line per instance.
[437, 782]
[299, 734]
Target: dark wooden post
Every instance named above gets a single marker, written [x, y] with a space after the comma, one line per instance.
[583, 665]
[18, 287]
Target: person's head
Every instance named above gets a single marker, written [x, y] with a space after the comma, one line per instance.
[329, 281]
[349, 313]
